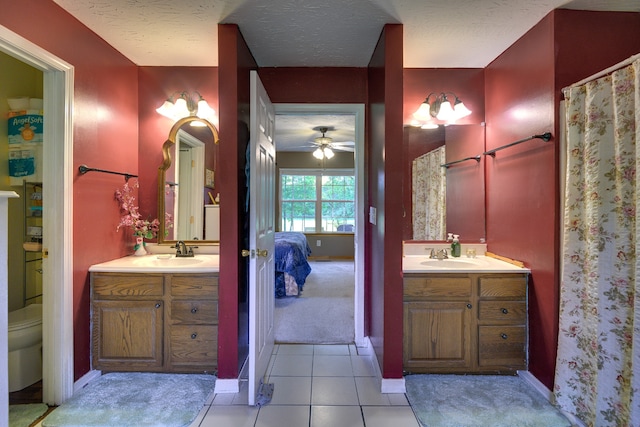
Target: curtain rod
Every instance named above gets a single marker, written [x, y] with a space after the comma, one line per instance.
[604, 72]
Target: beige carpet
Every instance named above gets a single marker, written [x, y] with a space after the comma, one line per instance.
[323, 314]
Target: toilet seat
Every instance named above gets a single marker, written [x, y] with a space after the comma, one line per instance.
[22, 319]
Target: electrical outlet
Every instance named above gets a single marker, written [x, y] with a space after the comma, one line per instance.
[318, 242]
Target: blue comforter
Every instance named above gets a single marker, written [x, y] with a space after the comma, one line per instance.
[291, 252]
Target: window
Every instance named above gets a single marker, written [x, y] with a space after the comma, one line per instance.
[317, 201]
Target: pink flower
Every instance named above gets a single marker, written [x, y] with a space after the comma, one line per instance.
[130, 217]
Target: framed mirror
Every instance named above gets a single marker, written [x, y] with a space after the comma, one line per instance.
[187, 189]
[460, 190]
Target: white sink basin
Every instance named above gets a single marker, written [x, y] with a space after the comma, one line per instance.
[451, 263]
[160, 263]
[480, 264]
[173, 261]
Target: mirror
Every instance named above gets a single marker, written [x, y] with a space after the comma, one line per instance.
[463, 186]
[186, 184]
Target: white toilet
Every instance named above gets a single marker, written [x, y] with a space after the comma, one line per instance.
[25, 347]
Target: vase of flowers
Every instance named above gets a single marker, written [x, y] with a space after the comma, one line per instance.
[130, 218]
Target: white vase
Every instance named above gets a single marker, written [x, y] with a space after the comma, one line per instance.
[140, 250]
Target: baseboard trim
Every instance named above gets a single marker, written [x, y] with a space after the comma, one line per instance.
[84, 380]
[393, 385]
[547, 394]
[231, 385]
[387, 385]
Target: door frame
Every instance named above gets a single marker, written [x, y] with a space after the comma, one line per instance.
[359, 112]
[194, 179]
[57, 307]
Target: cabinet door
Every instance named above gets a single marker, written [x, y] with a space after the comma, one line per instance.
[127, 335]
[437, 336]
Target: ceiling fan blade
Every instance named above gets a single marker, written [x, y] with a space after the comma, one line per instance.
[338, 148]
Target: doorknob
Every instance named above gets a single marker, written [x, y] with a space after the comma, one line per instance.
[262, 252]
[246, 252]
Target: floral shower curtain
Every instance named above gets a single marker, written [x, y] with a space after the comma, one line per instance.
[598, 362]
[429, 196]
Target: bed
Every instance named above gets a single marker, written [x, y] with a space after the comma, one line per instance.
[291, 265]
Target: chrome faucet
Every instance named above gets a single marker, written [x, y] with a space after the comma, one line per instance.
[440, 254]
[182, 250]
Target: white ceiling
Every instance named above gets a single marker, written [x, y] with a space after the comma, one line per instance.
[319, 33]
[325, 33]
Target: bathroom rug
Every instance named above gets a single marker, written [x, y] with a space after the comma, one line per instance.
[135, 399]
[479, 401]
[25, 415]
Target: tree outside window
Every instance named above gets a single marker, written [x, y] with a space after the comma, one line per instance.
[317, 201]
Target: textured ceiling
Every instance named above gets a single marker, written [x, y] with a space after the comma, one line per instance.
[319, 33]
[326, 33]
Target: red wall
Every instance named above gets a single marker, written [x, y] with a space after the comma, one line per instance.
[522, 92]
[105, 134]
[315, 85]
[235, 63]
[383, 245]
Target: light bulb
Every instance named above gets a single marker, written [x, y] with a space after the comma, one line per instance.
[328, 152]
[422, 113]
[166, 109]
[180, 108]
[446, 112]
[318, 154]
[460, 109]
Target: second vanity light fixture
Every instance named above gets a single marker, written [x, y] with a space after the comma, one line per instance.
[185, 105]
[439, 106]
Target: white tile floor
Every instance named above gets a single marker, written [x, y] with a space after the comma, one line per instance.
[314, 386]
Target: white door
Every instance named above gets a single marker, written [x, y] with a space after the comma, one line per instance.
[261, 235]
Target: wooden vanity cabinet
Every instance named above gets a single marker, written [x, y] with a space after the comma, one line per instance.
[154, 322]
[192, 339]
[465, 323]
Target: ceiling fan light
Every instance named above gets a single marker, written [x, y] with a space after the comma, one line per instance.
[328, 152]
[318, 154]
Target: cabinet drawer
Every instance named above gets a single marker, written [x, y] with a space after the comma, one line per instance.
[503, 287]
[449, 286]
[508, 311]
[194, 344]
[194, 312]
[502, 346]
[191, 285]
[108, 286]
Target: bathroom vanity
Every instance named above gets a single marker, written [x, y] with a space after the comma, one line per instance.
[464, 316]
[153, 314]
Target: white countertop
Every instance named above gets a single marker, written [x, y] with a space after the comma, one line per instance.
[160, 263]
[480, 264]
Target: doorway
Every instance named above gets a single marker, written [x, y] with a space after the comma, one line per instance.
[57, 315]
[357, 110]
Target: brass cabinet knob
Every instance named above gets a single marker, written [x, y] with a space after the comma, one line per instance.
[194, 310]
[503, 336]
[158, 305]
[504, 311]
[193, 336]
[469, 306]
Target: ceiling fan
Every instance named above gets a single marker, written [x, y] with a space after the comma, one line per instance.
[325, 145]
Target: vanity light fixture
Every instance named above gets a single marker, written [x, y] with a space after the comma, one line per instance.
[185, 105]
[440, 107]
